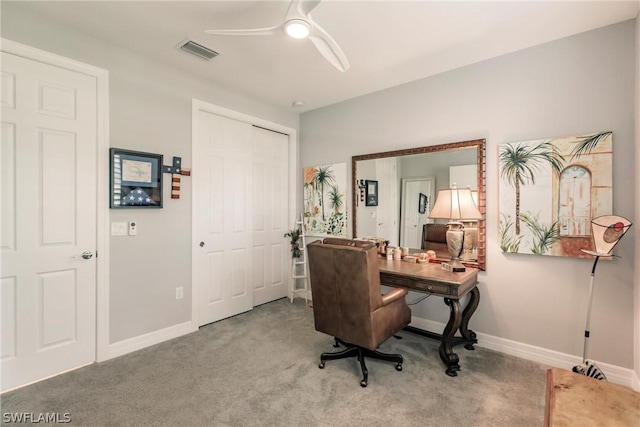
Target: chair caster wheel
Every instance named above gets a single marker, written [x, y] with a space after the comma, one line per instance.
[321, 365]
[399, 367]
[363, 383]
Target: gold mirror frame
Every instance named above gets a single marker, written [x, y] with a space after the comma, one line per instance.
[479, 144]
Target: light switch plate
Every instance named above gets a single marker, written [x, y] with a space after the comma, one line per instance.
[118, 228]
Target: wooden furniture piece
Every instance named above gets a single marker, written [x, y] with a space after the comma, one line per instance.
[432, 279]
[576, 400]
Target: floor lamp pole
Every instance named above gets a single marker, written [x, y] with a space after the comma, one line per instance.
[588, 327]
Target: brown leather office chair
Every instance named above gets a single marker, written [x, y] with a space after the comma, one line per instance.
[348, 304]
[434, 237]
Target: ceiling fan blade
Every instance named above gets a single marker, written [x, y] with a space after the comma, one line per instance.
[305, 6]
[328, 47]
[249, 32]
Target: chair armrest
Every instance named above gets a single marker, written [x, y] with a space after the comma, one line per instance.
[393, 295]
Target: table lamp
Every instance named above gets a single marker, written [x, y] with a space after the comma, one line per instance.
[455, 204]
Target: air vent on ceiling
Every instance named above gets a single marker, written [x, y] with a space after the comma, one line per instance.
[198, 50]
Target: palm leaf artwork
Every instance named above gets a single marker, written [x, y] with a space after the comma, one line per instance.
[543, 236]
[588, 143]
[323, 177]
[335, 198]
[509, 242]
[520, 164]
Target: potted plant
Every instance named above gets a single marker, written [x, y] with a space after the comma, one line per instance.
[294, 235]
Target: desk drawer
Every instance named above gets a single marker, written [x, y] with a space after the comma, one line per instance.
[416, 284]
[435, 288]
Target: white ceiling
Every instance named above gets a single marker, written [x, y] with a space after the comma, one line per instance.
[387, 42]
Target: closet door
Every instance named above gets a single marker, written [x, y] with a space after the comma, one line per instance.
[222, 172]
[271, 258]
[241, 200]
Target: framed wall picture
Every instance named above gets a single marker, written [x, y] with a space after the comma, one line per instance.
[371, 190]
[422, 203]
[136, 179]
[551, 189]
[324, 192]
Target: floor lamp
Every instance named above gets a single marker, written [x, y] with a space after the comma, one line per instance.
[455, 204]
[607, 231]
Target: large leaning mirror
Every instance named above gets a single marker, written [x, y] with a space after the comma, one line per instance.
[406, 183]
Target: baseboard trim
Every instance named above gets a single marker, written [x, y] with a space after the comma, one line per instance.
[615, 374]
[123, 347]
[636, 382]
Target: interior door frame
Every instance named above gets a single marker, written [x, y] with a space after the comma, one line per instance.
[102, 170]
[197, 106]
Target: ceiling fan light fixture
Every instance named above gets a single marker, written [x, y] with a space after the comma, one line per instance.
[297, 28]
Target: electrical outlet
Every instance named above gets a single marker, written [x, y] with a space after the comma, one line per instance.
[179, 292]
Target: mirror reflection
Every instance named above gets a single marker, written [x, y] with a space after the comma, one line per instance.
[408, 182]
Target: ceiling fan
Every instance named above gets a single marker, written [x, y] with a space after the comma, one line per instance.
[298, 24]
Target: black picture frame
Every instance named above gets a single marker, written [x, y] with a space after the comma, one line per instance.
[135, 179]
[422, 203]
[371, 192]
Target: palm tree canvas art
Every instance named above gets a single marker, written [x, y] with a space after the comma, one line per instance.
[324, 190]
[550, 189]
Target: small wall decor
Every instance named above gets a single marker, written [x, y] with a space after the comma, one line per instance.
[372, 193]
[551, 189]
[422, 203]
[136, 179]
[324, 189]
[361, 189]
[176, 170]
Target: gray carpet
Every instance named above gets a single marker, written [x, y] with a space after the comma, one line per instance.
[261, 369]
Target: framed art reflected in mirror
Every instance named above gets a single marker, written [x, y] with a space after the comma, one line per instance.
[371, 188]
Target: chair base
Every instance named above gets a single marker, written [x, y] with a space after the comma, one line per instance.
[360, 352]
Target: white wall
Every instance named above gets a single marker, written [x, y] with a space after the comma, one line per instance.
[150, 110]
[636, 287]
[571, 86]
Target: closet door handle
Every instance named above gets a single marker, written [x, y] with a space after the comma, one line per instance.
[202, 244]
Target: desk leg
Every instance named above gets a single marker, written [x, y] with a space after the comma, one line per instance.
[466, 333]
[446, 347]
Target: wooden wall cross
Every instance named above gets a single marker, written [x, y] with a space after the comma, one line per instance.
[176, 170]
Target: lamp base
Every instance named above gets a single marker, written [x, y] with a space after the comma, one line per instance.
[455, 266]
[455, 243]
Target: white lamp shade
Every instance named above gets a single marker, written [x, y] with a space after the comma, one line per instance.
[607, 231]
[455, 203]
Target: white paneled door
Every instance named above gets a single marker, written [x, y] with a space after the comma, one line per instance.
[271, 258]
[240, 215]
[48, 160]
[412, 220]
[222, 217]
[387, 210]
